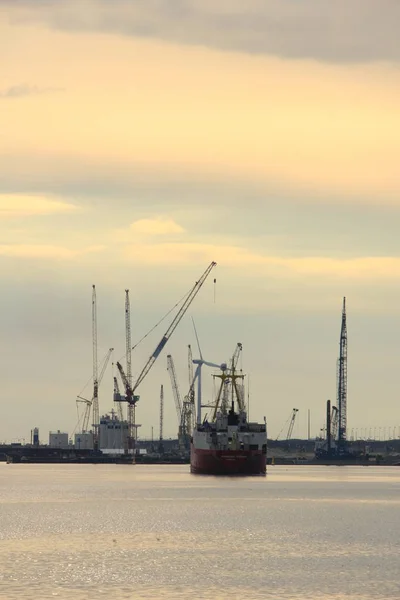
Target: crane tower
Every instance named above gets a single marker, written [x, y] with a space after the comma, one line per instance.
[96, 416]
[342, 383]
[131, 406]
[161, 442]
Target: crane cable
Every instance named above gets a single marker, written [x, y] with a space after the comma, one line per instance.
[158, 323]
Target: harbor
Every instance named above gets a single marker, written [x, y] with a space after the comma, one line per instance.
[213, 434]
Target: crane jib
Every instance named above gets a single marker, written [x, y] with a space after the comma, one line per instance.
[160, 347]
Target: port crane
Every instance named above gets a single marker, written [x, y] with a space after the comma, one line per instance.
[118, 399]
[89, 403]
[183, 410]
[161, 440]
[130, 388]
[291, 420]
[334, 422]
[342, 384]
[291, 424]
[188, 406]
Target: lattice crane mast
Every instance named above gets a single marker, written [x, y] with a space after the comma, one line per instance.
[96, 416]
[161, 440]
[175, 387]
[342, 383]
[189, 407]
[128, 342]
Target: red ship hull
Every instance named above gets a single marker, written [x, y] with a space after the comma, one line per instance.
[232, 462]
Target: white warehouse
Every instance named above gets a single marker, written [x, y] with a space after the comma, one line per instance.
[58, 439]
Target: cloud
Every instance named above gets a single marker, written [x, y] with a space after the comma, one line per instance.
[23, 89]
[157, 226]
[283, 267]
[19, 205]
[45, 251]
[352, 30]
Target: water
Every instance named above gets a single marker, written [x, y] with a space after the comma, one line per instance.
[139, 532]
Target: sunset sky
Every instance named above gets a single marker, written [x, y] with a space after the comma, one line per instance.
[139, 140]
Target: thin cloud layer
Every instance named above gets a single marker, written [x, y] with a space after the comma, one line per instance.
[20, 205]
[157, 226]
[23, 89]
[352, 30]
[44, 251]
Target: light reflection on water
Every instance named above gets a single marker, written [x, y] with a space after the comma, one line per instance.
[158, 532]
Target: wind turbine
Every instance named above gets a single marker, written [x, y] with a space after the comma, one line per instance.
[200, 362]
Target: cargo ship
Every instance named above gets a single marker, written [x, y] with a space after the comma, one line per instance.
[228, 444]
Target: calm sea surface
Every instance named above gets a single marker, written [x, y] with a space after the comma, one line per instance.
[120, 532]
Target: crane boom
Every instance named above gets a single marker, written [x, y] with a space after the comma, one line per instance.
[291, 424]
[105, 364]
[175, 388]
[178, 317]
[89, 403]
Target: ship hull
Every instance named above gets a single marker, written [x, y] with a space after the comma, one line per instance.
[231, 462]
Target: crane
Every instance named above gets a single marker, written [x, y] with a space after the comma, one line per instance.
[96, 416]
[291, 420]
[175, 388]
[334, 422]
[178, 317]
[130, 388]
[291, 424]
[161, 440]
[182, 433]
[128, 341]
[188, 408]
[89, 403]
[118, 399]
[342, 383]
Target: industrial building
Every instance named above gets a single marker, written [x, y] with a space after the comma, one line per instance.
[113, 434]
[84, 441]
[58, 439]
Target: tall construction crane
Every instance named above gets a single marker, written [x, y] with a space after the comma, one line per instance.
[184, 409]
[175, 388]
[96, 416]
[161, 440]
[182, 433]
[130, 388]
[131, 399]
[89, 403]
[342, 383]
[189, 407]
[128, 342]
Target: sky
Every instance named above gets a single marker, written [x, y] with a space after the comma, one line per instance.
[142, 139]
